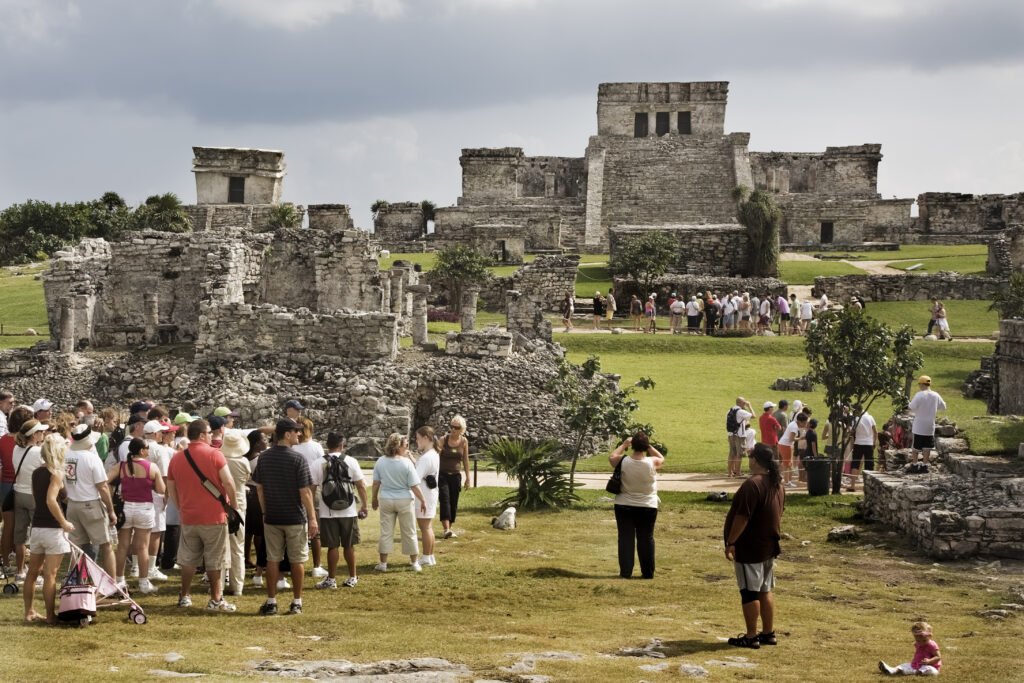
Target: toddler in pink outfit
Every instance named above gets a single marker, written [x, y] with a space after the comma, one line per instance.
[926, 662]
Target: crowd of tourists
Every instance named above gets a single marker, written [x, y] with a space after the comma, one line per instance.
[157, 488]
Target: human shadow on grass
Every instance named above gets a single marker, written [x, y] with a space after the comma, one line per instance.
[680, 648]
[559, 573]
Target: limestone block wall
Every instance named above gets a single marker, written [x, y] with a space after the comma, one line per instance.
[1006, 252]
[262, 169]
[479, 344]
[545, 223]
[275, 335]
[693, 285]
[228, 217]
[667, 180]
[330, 217]
[489, 174]
[618, 104]
[952, 212]
[1008, 370]
[525, 316]
[717, 250]
[909, 287]
[399, 222]
[840, 171]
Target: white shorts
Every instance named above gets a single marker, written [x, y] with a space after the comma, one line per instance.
[430, 496]
[138, 516]
[159, 513]
[48, 542]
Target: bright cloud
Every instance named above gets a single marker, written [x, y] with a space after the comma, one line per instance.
[302, 14]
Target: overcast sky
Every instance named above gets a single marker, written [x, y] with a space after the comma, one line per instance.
[375, 98]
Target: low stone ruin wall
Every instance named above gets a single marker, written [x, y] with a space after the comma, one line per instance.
[721, 250]
[909, 287]
[277, 335]
[479, 344]
[970, 506]
[1008, 370]
[694, 285]
[545, 281]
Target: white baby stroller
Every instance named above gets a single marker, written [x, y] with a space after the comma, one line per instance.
[86, 587]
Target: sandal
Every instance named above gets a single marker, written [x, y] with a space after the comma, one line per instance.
[742, 641]
[767, 638]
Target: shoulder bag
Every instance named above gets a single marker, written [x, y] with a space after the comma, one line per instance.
[235, 521]
[614, 484]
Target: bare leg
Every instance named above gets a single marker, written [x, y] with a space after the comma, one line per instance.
[428, 535]
[767, 601]
[333, 554]
[315, 551]
[297, 578]
[106, 558]
[19, 557]
[7, 537]
[273, 574]
[51, 563]
[29, 588]
[350, 559]
[751, 610]
[124, 537]
[141, 548]
[927, 454]
[216, 586]
[186, 579]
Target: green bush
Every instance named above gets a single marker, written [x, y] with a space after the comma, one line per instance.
[543, 480]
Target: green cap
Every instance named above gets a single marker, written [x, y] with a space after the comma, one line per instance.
[224, 411]
[184, 418]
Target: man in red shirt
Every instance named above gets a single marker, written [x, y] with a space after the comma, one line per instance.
[204, 530]
[770, 428]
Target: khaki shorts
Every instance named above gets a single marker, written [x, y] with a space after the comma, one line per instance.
[736, 447]
[293, 537]
[609, 314]
[338, 532]
[90, 520]
[205, 544]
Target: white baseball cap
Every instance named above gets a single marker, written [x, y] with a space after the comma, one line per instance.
[769, 404]
[152, 427]
[41, 404]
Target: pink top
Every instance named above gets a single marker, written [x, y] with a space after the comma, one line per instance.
[923, 652]
[137, 489]
[782, 304]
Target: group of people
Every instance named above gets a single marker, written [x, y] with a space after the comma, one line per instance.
[167, 489]
[793, 438]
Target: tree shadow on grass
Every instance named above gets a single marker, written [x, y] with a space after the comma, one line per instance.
[559, 573]
[680, 648]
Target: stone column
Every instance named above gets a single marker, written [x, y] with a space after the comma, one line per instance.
[419, 313]
[385, 306]
[469, 297]
[398, 292]
[67, 325]
[151, 317]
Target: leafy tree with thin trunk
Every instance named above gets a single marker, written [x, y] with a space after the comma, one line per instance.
[1009, 302]
[761, 216]
[459, 267]
[643, 257]
[594, 407]
[858, 359]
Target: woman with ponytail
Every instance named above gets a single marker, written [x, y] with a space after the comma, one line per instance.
[428, 468]
[752, 533]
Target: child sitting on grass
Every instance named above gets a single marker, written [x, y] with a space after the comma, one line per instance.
[926, 662]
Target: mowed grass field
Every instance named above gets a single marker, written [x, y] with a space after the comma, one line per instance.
[965, 265]
[804, 272]
[551, 585]
[22, 306]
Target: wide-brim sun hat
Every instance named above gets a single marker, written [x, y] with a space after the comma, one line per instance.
[235, 444]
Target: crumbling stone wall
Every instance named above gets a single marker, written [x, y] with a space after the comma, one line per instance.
[840, 171]
[544, 281]
[261, 169]
[954, 212]
[231, 217]
[505, 174]
[1008, 370]
[716, 250]
[275, 335]
[1006, 252]
[910, 287]
[488, 343]
[542, 224]
[397, 223]
[331, 217]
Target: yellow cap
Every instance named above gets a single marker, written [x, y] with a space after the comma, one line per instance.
[925, 379]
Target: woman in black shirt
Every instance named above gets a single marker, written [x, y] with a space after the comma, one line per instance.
[49, 541]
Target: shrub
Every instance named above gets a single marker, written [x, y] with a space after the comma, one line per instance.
[440, 315]
[543, 480]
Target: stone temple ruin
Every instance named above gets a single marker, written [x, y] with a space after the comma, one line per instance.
[241, 313]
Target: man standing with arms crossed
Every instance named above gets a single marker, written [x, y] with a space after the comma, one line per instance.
[285, 490]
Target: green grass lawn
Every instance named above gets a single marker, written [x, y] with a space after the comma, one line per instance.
[965, 265]
[424, 259]
[22, 306]
[804, 272]
[920, 251]
[551, 585]
[698, 379]
[967, 318]
[590, 279]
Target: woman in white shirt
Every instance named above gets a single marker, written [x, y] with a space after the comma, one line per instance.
[26, 458]
[636, 506]
[428, 466]
[313, 453]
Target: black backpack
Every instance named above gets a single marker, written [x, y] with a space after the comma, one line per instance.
[338, 489]
[731, 423]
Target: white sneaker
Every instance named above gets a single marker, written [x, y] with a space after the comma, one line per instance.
[319, 572]
[157, 575]
[433, 560]
[790, 485]
[146, 587]
[257, 581]
[351, 582]
[381, 567]
[416, 567]
[135, 571]
[39, 581]
[282, 584]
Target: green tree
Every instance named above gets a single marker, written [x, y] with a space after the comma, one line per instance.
[284, 217]
[593, 406]
[761, 216]
[164, 213]
[643, 257]
[1009, 302]
[429, 208]
[459, 267]
[538, 470]
[858, 359]
[33, 230]
[377, 206]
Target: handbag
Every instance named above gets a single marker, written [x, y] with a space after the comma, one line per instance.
[431, 481]
[8, 502]
[614, 484]
[235, 521]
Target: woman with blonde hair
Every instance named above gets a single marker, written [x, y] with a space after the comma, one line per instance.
[427, 468]
[49, 528]
[26, 458]
[394, 486]
[454, 459]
